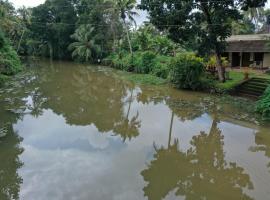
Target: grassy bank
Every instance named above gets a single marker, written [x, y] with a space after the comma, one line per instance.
[144, 79]
[236, 78]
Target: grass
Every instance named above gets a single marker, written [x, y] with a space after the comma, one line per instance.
[146, 79]
[237, 78]
[256, 75]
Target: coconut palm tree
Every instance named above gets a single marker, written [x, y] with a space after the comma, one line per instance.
[85, 47]
[125, 8]
[255, 15]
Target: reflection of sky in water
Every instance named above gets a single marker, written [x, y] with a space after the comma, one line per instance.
[78, 162]
[53, 133]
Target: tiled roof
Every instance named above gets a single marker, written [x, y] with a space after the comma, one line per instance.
[249, 43]
[254, 37]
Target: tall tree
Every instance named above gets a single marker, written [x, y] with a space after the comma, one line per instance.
[52, 24]
[206, 21]
[106, 23]
[126, 10]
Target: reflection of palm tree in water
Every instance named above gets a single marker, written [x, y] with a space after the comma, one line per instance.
[170, 132]
[201, 172]
[128, 128]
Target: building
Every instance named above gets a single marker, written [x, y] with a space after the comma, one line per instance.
[249, 51]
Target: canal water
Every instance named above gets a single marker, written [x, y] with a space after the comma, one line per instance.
[73, 131]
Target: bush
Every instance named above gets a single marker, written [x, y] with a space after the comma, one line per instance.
[3, 78]
[187, 71]
[161, 68]
[263, 105]
[121, 61]
[145, 62]
[9, 61]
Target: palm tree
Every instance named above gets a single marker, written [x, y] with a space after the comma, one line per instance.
[125, 8]
[255, 15]
[85, 46]
[128, 128]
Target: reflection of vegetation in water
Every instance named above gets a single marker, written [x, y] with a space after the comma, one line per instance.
[186, 110]
[9, 164]
[87, 97]
[128, 128]
[199, 173]
[262, 140]
[91, 97]
[226, 108]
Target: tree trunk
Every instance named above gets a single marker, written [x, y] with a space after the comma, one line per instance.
[51, 51]
[170, 132]
[128, 38]
[19, 45]
[130, 101]
[220, 69]
[114, 38]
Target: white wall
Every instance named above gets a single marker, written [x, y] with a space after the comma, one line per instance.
[266, 60]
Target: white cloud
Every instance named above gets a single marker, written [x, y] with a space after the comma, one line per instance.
[27, 3]
[268, 4]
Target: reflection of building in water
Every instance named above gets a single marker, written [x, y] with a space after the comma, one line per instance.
[9, 164]
[201, 172]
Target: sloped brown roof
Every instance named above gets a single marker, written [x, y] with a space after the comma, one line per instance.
[251, 37]
[249, 43]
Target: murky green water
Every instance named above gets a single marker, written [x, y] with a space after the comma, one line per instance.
[81, 132]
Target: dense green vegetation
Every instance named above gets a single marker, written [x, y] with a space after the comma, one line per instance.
[186, 71]
[263, 105]
[9, 61]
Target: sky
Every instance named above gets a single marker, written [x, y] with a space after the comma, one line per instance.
[27, 3]
[32, 3]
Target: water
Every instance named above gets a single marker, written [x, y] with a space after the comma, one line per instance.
[71, 131]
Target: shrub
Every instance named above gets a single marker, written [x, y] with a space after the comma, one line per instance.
[141, 62]
[145, 62]
[9, 60]
[121, 61]
[263, 105]
[161, 68]
[186, 71]
[3, 78]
